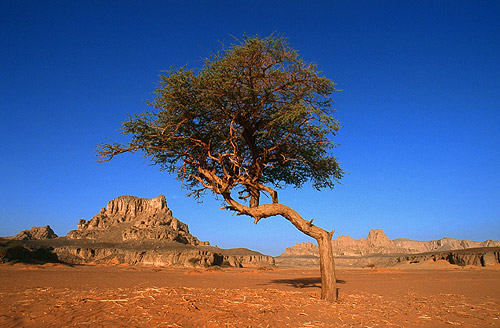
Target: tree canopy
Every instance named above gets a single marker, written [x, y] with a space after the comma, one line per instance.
[254, 118]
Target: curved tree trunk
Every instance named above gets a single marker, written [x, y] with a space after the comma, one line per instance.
[329, 289]
[324, 238]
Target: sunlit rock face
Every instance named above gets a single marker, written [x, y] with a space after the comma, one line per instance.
[135, 230]
[129, 230]
[130, 206]
[36, 233]
[378, 243]
[127, 218]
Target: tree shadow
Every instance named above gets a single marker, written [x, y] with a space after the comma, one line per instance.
[314, 282]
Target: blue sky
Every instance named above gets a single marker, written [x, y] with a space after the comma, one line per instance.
[420, 106]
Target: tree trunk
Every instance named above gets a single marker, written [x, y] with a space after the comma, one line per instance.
[329, 290]
[327, 264]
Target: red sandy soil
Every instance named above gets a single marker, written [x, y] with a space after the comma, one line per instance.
[54, 295]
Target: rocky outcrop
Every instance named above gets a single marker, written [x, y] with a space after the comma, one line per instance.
[483, 257]
[134, 230]
[161, 256]
[443, 244]
[129, 218]
[19, 251]
[167, 254]
[123, 255]
[378, 243]
[378, 249]
[302, 249]
[36, 233]
[130, 230]
[242, 257]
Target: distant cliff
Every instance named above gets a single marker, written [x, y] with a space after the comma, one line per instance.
[378, 243]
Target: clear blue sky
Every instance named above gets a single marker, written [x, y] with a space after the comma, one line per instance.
[420, 108]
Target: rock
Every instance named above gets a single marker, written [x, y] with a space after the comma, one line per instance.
[378, 248]
[36, 233]
[130, 230]
[302, 249]
[243, 258]
[159, 255]
[484, 256]
[490, 258]
[378, 243]
[17, 251]
[131, 218]
[122, 255]
[377, 238]
[345, 245]
[443, 244]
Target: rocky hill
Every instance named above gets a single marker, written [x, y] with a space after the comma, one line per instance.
[128, 218]
[129, 230]
[36, 233]
[378, 249]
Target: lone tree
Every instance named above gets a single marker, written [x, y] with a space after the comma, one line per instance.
[253, 119]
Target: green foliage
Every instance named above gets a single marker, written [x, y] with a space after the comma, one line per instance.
[254, 115]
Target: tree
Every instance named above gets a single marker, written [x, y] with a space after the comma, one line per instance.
[252, 120]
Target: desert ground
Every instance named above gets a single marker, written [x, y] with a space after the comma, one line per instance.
[433, 295]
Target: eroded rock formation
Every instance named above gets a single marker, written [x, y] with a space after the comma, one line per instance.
[443, 244]
[197, 256]
[130, 230]
[378, 243]
[36, 233]
[485, 256]
[131, 218]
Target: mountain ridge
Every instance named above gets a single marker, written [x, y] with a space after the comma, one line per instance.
[377, 242]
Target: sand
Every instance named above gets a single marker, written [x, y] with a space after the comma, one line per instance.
[437, 295]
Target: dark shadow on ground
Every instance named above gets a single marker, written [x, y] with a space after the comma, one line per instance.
[15, 251]
[303, 282]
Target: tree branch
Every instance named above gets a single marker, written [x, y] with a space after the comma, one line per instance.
[268, 210]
